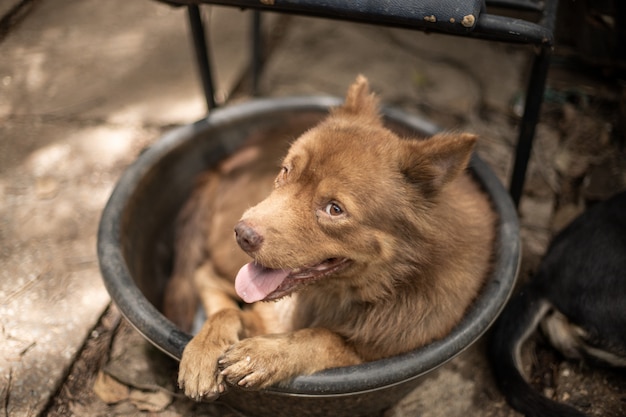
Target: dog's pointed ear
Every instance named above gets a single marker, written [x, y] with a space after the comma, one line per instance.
[435, 162]
[360, 101]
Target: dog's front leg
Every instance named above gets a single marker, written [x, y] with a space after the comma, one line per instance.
[198, 372]
[262, 361]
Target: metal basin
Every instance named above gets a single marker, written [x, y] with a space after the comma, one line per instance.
[135, 253]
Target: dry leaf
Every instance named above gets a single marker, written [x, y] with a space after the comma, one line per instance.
[153, 401]
[110, 390]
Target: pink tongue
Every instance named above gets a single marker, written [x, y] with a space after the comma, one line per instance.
[254, 282]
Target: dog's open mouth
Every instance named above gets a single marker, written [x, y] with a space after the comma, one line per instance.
[255, 282]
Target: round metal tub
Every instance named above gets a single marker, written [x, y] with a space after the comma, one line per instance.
[135, 253]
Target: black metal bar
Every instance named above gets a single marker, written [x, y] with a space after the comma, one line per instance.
[257, 51]
[202, 54]
[534, 98]
[530, 5]
[505, 29]
[491, 27]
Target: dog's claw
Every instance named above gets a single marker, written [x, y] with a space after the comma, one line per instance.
[251, 363]
[245, 382]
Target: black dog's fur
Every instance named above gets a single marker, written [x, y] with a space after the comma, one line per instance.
[579, 297]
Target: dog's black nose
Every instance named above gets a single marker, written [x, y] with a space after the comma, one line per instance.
[247, 238]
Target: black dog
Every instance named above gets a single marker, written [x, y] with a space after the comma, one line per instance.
[579, 297]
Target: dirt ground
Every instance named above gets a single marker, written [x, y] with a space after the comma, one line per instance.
[59, 160]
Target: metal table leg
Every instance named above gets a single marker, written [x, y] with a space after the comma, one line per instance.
[534, 98]
[202, 54]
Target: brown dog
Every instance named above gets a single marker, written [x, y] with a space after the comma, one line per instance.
[370, 245]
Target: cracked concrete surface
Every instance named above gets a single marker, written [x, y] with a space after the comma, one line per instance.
[84, 86]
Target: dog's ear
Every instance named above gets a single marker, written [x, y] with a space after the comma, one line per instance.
[360, 101]
[434, 162]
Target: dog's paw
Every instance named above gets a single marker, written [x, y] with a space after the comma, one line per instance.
[198, 373]
[255, 363]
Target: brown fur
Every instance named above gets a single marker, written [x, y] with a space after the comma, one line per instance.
[416, 231]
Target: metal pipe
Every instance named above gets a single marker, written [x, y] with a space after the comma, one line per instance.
[257, 51]
[202, 54]
[534, 98]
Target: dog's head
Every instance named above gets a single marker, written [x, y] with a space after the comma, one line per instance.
[350, 197]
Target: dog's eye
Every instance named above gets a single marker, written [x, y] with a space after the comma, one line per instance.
[281, 176]
[333, 209]
[284, 172]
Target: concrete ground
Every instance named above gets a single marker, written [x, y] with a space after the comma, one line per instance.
[85, 85]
